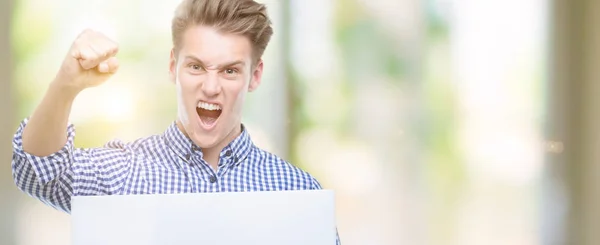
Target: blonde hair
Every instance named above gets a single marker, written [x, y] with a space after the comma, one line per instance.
[244, 17]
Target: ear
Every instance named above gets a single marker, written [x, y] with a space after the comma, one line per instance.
[172, 66]
[256, 76]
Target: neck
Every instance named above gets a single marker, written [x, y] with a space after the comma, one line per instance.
[211, 154]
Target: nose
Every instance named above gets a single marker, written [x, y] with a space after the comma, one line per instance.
[211, 86]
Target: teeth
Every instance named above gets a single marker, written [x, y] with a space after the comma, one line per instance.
[208, 106]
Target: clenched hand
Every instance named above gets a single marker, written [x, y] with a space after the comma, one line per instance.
[90, 62]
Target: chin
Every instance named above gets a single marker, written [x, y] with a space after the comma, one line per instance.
[202, 137]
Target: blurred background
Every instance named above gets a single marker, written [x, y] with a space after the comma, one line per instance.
[462, 122]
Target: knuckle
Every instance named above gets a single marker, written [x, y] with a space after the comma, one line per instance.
[103, 52]
[78, 43]
[104, 55]
[112, 48]
[88, 31]
[84, 33]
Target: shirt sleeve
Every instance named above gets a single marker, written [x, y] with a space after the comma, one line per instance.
[70, 171]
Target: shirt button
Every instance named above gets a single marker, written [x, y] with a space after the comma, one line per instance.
[187, 156]
[228, 153]
[213, 179]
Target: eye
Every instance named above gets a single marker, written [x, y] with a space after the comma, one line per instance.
[230, 73]
[195, 68]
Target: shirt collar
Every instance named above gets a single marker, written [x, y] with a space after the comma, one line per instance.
[233, 153]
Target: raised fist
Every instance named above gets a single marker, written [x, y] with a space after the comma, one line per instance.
[91, 61]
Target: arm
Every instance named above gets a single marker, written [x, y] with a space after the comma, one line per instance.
[55, 178]
[90, 62]
[45, 164]
[46, 130]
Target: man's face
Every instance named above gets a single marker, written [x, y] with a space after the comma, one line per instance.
[212, 73]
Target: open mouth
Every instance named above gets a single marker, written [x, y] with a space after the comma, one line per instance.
[208, 113]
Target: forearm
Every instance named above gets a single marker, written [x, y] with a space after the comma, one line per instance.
[46, 131]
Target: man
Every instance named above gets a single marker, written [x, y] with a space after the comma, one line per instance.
[215, 61]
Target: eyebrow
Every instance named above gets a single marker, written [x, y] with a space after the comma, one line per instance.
[229, 64]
